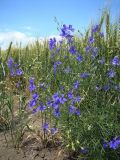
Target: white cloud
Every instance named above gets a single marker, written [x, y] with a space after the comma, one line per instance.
[19, 37]
[15, 37]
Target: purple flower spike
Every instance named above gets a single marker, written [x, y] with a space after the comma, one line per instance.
[52, 43]
[10, 62]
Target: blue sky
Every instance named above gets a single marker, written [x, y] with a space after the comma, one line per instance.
[35, 18]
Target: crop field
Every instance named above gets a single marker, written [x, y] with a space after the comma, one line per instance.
[60, 99]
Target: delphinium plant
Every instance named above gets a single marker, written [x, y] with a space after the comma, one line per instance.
[80, 97]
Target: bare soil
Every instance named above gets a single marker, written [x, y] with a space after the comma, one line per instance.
[30, 149]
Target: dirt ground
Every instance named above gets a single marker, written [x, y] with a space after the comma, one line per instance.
[30, 149]
[31, 146]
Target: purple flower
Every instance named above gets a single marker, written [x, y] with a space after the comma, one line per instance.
[32, 103]
[76, 99]
[71, 28]
[54, 130]
[101, 34]
[76, 85]
[84, 75]
[35, 96]
[62, 99]
[66, 31]
[91, 40]
[95, 28]
[72, 109]
[31, 80]
[55, 105]
[70, 95]
[114, 144]
[105, 145]
[72, 50]
[115, 61]
[34, 110]
[41, 107]
[16, 65]
[77, 112]
[18, 84]
[57, 112]
[14, 68]
[10, 62]
[32, 87]
[58, 99]
[12, 72]
[52, 43]
[106, 88]
[57, 63]
[111, 73]
[19, 72]
[45, 127]
[50, 102]
[55, 96]
[79, 58]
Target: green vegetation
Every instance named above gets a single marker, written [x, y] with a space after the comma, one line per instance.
[77, 87]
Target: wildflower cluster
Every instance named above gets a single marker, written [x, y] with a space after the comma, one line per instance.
[82, 92]
[14, 68]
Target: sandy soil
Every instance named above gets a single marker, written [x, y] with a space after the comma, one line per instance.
[30, 149]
